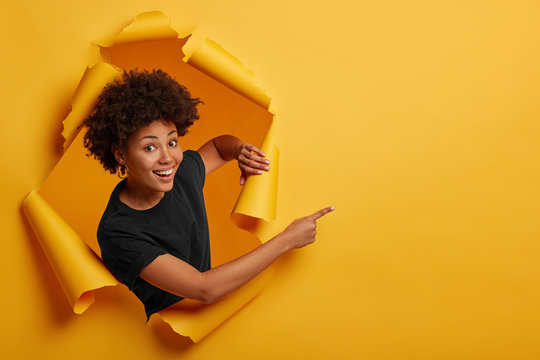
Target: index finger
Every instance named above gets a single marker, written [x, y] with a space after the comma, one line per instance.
[254, 149]
[320, 213]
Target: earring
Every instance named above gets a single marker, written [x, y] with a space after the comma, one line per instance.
[120, 173]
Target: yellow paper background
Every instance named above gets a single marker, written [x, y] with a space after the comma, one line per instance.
[418, 120]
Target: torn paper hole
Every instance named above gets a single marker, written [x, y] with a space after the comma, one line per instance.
[66, 209]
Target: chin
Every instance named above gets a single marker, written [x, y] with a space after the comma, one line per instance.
[166, 187]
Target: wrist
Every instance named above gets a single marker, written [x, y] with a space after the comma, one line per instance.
[282, 242]
[238, 148]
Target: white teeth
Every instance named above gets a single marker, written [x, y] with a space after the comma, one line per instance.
[168, 172]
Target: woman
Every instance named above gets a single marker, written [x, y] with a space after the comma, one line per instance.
[153, 233]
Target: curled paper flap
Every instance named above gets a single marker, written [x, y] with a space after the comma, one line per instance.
[78, 269]
[75, 171]
[150, 25]
[92, 83]
[210, 58]
[147, 26]
[198, 320]
[258, 197]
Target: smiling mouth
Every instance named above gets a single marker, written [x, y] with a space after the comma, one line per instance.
[164, 173]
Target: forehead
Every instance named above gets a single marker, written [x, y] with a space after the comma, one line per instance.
[157, 128]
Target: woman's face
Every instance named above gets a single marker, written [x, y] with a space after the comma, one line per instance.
[152, 156]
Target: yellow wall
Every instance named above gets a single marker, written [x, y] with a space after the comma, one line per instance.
[418, 120]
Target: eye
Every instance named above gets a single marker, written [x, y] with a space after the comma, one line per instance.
[173, 143]
[149, 148]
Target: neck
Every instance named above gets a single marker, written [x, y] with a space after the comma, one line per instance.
[138, 198]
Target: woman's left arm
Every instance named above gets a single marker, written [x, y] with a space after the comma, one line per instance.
[216, 152]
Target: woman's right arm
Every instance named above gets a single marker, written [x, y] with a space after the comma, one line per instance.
[173, 275]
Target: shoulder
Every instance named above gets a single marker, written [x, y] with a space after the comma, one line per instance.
[192, 157]
[116, 218]
[192, 166]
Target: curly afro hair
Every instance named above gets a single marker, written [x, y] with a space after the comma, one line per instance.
[132, 102]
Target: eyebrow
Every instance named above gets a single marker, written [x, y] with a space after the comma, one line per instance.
[155, 137]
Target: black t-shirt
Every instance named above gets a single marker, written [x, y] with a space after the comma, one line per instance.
[131, 239]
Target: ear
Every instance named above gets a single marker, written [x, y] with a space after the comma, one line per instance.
[119, 155]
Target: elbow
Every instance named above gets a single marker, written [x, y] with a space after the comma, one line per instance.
[207, 296]
[207, 292]
[207, 299]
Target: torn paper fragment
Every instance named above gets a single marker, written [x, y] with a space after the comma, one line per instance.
[78, 269]
[150, 25]
[210, 58]
[92, 83]
[254, 202]
[198, 320]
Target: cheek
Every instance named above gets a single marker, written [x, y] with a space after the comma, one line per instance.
[143, 162]
[178, 156]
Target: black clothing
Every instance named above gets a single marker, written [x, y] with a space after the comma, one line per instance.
[131, 239]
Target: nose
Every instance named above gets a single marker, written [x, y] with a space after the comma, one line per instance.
[165, 156]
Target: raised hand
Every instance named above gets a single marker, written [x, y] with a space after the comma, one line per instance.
[251, 161]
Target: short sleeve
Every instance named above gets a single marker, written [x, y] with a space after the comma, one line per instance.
[126, 257]
[195, 163]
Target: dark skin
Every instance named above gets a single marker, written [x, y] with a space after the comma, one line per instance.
[152, 154]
